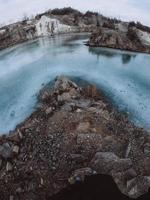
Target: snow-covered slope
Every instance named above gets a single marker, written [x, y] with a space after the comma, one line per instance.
[144, 37]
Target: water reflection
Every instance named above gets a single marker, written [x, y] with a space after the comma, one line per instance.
[126, 58]
[102, 52]
[111, 53]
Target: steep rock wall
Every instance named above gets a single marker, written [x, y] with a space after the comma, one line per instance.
[48, 26]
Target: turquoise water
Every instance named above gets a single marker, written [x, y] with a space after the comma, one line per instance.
[123, 76]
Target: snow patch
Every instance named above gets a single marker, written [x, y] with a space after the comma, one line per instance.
[144, 37]
[2, 31]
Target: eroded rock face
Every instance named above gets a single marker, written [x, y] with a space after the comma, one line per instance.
[17, 33]
[46, 24]
[132, 39]
[66, 139]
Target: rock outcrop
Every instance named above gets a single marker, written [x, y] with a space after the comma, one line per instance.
[52, 22]
[74, 133]
[123, 37]
[16, 33]
[47, 26]
[108, 32]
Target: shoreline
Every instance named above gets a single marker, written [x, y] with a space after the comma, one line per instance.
[115, 33]
[119, 49]
[42, 37]
[86, 44]
[73, 133]
[130, 39]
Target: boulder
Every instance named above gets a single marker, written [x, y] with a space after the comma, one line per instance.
[6, 151]
[16, 149]
[64, 97]
[125, 40]
[108, 163]
[63, 84]
[138, 186]
[103, 162]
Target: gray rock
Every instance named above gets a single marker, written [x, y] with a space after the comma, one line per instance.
[45, 95]
[16, 149]
[122, 165]
[64, 97]
[83, 104]
[6, 151]
[49, 111]
[11, 197]
[9, 167]
[111, 144]
[103, 162]
[147, 149]
[132, 189]
[64, 84]
[68, 107]
[138, 186]
[128, 150]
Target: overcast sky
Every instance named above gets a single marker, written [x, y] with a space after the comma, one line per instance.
[138, 10]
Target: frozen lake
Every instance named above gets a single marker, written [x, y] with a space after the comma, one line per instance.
[124, 77]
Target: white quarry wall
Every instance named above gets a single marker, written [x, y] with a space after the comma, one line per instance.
[47, 26]
[144, 37]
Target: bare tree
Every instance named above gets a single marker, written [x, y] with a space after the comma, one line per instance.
[25, 17]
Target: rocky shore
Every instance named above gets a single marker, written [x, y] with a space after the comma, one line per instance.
[124, 36]
[106, 32]
[49, 23]
[73, 133]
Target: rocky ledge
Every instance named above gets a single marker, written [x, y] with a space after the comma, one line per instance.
[124, 37]
[74, 133]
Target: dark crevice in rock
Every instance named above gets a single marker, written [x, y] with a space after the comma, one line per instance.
[98, 187]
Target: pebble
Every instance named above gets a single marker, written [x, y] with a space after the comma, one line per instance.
[49, 111]
[16, 149]
[20, 134]
[71, 180]
[11, 197]
[42, 181]
[78, 110]
[9, 167]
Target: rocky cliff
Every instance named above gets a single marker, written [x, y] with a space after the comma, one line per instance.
[16, 33]
[107, 32]
[73, 133]
[123, 36]
[66, 20]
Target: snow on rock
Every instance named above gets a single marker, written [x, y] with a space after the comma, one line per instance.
[49, 26]
[144, 37]
[2, 31]
[122, 26]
